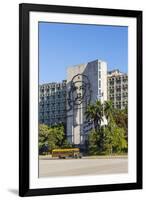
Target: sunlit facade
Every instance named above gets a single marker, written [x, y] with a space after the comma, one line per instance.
[118, 89]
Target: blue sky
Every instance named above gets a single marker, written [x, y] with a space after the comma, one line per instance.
[64, 45]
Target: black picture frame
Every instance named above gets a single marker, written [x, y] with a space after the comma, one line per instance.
[24, 56]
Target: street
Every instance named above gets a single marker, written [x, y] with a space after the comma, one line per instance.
[84, 166]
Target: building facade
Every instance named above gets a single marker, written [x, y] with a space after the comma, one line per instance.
[118, 89]
[86, 83]
[52, 103]
[66, 102]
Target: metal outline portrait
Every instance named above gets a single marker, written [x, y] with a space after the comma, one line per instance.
[85, 87]
[24, 124]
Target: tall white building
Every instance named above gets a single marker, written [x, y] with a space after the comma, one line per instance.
[86, 83]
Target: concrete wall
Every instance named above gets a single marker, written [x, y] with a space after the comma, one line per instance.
[87, 82]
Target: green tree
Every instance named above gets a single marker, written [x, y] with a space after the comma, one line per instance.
[121, 119]
[93, 139]
[108, 110]
[58, 133]
[46, 139]
[94, 112]
[91, 113]
[51, 138]
[66, 144]
[96, 141]
[111, 138]
[115, 141]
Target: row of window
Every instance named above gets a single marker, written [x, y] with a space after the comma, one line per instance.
[52, 122]
[52, 100]
[118, 87]
[120, 103]
[61, 94]
[53, 117]
[52, 111]
[57, 109]
[58, 85]
[118, 94]
[117, 91]
[49, 106]
[54, 103]
[124, 78]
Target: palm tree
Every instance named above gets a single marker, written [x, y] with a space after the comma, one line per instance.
[91, 113]
[108, 110]
[95, 113]
[99, 113]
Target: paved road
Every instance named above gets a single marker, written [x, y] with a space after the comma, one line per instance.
[72, 167]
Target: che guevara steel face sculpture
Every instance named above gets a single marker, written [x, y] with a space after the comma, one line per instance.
[80, 91]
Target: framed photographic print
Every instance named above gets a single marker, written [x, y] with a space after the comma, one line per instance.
[80, 99]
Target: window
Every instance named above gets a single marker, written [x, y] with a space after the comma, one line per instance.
[99, 65]
[99, 92]
[99, 74]
[99, 83]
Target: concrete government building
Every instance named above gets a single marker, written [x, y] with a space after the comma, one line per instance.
[86, 83]
[118, 89]
[52, 103]
[66, 102]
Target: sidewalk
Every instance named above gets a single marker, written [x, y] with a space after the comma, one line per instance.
[107, 157]
[41, 157]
